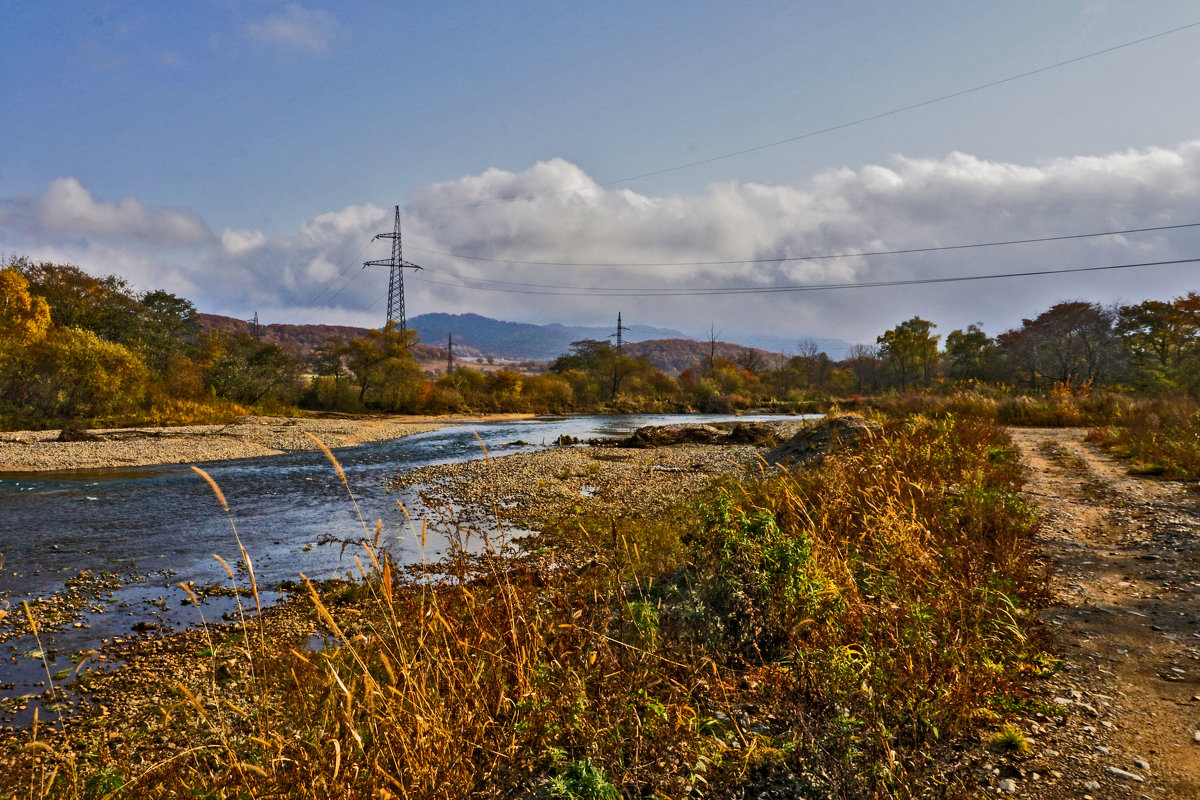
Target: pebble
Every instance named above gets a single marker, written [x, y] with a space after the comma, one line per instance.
[249, 437]
[1008, 786]
[1120, 773]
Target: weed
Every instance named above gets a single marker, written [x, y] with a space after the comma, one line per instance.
[839, 622]
[1161, 438]
[581, 780]
[1009, 740]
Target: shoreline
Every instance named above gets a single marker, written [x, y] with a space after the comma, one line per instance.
[248, 437]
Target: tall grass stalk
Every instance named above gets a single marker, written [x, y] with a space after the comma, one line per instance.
[828, 632]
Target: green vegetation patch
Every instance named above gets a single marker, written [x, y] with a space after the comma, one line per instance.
[830, 631]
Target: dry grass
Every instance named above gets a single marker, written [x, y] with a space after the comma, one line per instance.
[1161, 438]
[1063, 407]
[828, 631]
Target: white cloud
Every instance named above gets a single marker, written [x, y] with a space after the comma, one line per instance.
[538, 215]
[67, 208]
[236, 242]
[907, 203]
[297, 29]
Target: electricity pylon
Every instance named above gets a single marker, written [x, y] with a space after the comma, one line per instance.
[618, 335]
[396, 264]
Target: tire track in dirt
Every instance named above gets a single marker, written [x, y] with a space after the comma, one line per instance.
[1125, 617]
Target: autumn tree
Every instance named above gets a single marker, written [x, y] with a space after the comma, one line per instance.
[243, 369]
[597, 372]
[863, 360]
[912, 349]
[1070, 343]
[1162, 341]
[384, 370]
[73, 374]
[24, 317]
[970, 353]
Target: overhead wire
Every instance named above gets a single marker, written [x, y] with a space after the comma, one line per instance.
[829, 129]
[732, 290]
[604, 291]
[311, 305]
[820, 257]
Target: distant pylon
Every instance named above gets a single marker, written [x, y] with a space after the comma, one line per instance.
[449, 353]
[396, 265]
[255, 329]
[619, 334]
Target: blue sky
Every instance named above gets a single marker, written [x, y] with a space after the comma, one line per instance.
[242, 153]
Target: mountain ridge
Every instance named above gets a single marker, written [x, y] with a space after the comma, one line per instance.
[479, 337]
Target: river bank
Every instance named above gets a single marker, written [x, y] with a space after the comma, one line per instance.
[623, 616]
[248, 437]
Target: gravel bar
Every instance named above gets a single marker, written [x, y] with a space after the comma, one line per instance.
[618, 480]
[248, 437]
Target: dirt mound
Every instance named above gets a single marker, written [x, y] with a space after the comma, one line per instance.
[814, 442]
[693, 433]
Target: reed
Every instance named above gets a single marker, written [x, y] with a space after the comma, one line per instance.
[828, 632]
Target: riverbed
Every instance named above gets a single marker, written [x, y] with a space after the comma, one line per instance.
[136, 533]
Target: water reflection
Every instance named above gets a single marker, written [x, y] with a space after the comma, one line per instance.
[155, 526]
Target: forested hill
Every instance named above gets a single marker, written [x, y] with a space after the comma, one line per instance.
[673, 356]
[473, 335]
[476, 336]
[518, 340]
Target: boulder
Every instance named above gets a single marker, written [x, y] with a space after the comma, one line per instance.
[665, 435]
[755, 433]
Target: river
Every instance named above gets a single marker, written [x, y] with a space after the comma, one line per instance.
[153, 527]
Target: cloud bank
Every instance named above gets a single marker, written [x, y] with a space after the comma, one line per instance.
[554, 212]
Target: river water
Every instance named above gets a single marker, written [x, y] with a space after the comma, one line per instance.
[156, 526]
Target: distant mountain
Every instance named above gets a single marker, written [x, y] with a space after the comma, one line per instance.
[517, 341]
[476, 336]
[673, 356]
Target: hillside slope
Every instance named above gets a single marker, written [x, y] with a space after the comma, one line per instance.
[673, 356]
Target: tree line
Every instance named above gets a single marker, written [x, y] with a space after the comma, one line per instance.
[74, 347]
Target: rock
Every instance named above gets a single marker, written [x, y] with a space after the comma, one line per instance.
[812, 444]
[76, 434]
[1142, 765]
[1092, 786]
[1008, 786]
[754, 433]
[666, 435]
[1120, 773]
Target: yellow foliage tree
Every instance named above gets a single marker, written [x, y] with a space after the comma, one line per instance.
[24, 318]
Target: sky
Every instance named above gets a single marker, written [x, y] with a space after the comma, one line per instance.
[648, 156]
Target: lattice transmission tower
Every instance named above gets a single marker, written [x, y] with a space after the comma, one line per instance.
[396, 265]
[619, 334]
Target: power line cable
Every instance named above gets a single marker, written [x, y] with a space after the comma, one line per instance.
[830, 129]
[731, 290]
[822, 257]
[329, 283]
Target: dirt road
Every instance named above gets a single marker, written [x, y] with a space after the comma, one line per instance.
[1125, 556]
